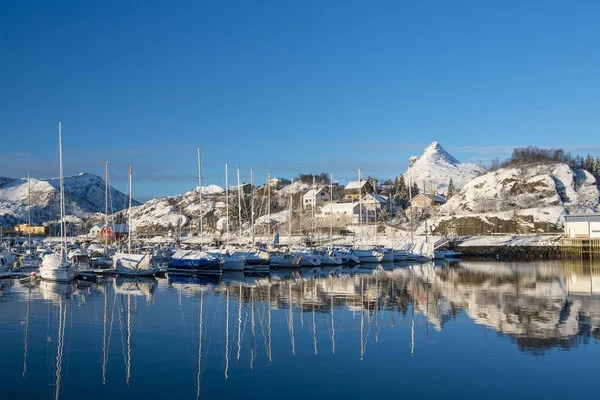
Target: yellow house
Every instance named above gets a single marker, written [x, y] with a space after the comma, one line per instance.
[30, 229]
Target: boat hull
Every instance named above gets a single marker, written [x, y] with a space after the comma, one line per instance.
[58, 274]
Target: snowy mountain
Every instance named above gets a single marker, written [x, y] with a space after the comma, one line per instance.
[436, 166]
[84, 196]
[164, 214]
[527, 198]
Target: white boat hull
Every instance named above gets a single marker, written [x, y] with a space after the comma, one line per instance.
[65, 274]
[369, 256]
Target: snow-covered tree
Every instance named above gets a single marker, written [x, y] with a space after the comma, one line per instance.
[451, 189]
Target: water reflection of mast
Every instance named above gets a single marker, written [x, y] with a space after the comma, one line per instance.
[239, 333]
[427, 308]
[332, 324]
[269, 348]
[104, 346]
[412, 323]
[200, 345]
[25, 345]
[291, 320]
[314, 327]
[252, 349]
[227, 333]
[128, 362]
[377, 310]
[107, 342]
[362, 308]
[60, 345]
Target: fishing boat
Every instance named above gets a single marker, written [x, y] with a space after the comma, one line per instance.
[80, 258]
[54, 266]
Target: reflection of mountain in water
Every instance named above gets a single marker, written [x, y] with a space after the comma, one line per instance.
[539, 306]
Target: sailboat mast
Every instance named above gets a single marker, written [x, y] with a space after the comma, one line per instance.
[252, 203]
[29, 211]
[63, 234]
[313, 210]
[239, 196]
[411, 208]
[106, 189]
[200, 186]
[360, 202]
[269, 205]
[290, 211]
[227, 205]
[331, 208]
[129, 232]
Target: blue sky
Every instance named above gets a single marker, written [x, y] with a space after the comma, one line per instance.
[290, 86]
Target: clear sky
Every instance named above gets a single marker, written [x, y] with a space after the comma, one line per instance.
[290, 86]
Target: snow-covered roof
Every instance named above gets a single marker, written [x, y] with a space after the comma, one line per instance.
[312, 192]
[595, 217]
[339, 207]
[372, 196]
[355, 184]
[436, 198]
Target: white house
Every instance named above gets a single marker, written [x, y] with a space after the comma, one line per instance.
[582, 226]
[95, 230]
[315, 198]
[347, 213]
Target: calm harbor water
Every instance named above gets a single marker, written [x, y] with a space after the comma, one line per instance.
[465, 330]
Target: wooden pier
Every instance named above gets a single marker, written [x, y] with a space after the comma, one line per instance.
[580, 248]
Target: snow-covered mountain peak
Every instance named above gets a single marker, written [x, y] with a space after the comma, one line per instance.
[435, 153]
[436, 167]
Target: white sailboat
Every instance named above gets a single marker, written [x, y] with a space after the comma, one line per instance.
[133, 264]
[54, 266]
[229, 261]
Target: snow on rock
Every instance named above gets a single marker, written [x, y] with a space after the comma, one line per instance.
[526, 195]
[84, 196]
[212, 189]
[436, 166]
[296, 187]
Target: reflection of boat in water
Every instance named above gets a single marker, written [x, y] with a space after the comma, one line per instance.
[53, 291]
[60, 294]
[138, 286]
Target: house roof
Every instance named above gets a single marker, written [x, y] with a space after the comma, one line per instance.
[339, 207]
[591, 217]
[312, 192]
[436, 198]
[381, 199]
[118, 228]
[356, 184]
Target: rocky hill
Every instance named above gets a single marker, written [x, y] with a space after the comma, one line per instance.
[84, 196]
[527, 198]
[435, 168]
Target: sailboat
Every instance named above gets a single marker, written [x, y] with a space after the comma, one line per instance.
[54, 266]
[229, 261]
[104, 260]
[133, 264]
[30, 261]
